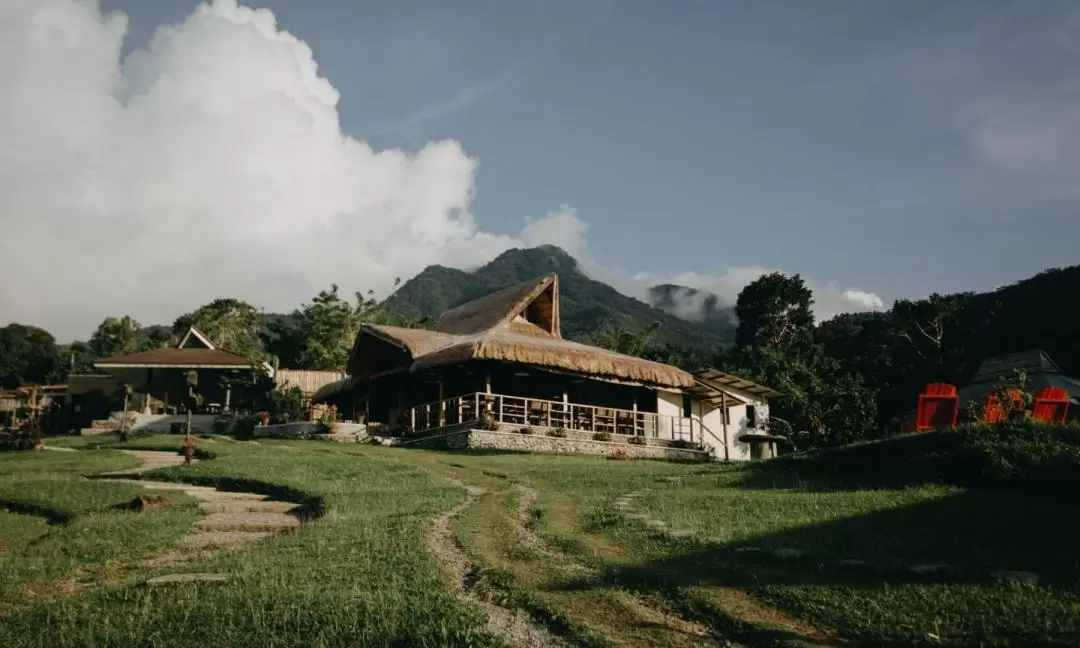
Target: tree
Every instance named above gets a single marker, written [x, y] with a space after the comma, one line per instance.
[74, 358]
[28, 356]
[115, 336]
[774, 310]
[231, 324]
[321, 333]
[617, 335]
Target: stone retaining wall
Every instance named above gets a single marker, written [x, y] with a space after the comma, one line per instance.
[474, 439]
[309, 430]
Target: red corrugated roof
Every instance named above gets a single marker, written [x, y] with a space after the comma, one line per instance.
[178, 358]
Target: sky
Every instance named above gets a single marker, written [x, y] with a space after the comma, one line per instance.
[159, 154]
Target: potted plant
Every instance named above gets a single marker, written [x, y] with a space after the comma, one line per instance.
[264, 418]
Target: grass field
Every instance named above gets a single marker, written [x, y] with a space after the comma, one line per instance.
[544, 535]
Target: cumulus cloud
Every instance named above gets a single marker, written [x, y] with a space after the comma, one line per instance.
[212, 163]
[209, 163]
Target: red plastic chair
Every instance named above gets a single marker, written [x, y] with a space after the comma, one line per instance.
[938, 407]
[1051, 405]
[995, 413]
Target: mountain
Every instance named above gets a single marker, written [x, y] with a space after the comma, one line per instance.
[695, 305]
[586, 304]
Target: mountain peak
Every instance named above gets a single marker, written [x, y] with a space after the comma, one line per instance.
[586, 304]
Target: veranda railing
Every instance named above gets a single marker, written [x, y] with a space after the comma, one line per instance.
[515, 410]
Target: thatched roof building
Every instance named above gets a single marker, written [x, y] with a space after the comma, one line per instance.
[517, 325]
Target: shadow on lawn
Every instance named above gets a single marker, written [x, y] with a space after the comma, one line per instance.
[974, 534]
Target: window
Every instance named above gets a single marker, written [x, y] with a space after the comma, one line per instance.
[686, 409]
[751, 416]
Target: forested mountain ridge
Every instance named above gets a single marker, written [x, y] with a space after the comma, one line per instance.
[586, 305]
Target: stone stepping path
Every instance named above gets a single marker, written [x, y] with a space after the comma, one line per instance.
[233, 519]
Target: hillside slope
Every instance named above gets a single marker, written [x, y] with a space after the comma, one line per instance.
[586, 303]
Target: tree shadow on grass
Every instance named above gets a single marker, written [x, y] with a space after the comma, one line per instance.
[961, 539]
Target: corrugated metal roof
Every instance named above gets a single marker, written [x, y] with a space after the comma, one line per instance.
[719, 379]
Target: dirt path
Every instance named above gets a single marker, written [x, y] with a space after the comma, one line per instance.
[514, 626]
[232, 519]
[638, 608]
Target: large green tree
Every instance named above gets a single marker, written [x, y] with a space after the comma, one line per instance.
[775, 311]
[230, 324]
[321, 333]
[116, 336]
[28, 356]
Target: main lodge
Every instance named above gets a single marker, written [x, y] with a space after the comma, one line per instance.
[500, 364]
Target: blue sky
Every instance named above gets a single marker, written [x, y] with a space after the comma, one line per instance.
[899, 147]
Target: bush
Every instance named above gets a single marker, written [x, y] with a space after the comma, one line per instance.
[638, 440]
[602, 436]
[221, 425]
[619, 454]
[489, 423]
[685, 445]
[244, 427]
[286, 405]
[526, 430]
[558, 433]
[1017, 455]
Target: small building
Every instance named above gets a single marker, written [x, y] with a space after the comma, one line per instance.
[501, 362]
[1039, 368]
[158, 379]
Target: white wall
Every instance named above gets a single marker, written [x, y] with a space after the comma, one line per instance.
[668, 404]
[714, 433]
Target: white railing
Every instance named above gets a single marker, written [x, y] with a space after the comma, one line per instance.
[514, 410]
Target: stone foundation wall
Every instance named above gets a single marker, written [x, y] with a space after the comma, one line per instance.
[539, 441]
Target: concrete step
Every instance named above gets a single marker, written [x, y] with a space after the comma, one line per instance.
[224, 538]
[233, 521]
[245, 506]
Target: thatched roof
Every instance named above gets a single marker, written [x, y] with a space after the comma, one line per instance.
[541, 296]
[520, 325]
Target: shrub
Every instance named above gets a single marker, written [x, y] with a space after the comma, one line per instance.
[489, 423]
[685, 445]
[286, 405]
[244, 427]
[619, 454]
[526, 430]
[602, 436]
[558, 433]
[328, 419]
[221, 425]
[1017, 455]
[638, 440]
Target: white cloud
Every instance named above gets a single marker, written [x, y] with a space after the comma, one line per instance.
[561, 227]
[212, 163]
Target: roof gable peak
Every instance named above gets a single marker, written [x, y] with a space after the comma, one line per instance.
[195, 339]
[535, 301]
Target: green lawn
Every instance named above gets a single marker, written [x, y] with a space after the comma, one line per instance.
[361, 575]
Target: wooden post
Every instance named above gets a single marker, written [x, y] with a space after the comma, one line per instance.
[476, 411]
[442, 405]
[635, 416]
[487, 382]
[500, 419]
[228, 396]
[724, 417]
[412, 418]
